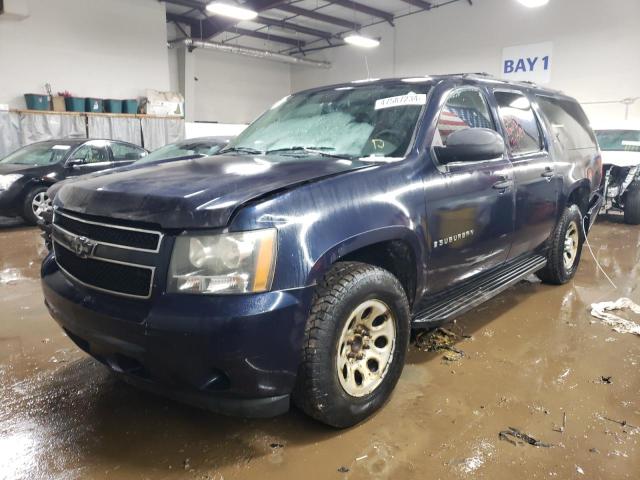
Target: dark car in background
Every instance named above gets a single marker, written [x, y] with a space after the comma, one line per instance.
[292, 265]
[27, 173]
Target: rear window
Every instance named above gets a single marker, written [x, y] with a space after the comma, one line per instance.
[568, 121]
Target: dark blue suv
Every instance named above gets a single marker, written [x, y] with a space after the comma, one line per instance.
[293, 264]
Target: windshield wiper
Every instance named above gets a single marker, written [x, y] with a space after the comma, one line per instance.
[251, 151]
[316, 150]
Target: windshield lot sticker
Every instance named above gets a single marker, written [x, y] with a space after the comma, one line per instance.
[402, 100]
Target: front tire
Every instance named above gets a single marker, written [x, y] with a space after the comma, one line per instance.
[632, 205]
[356, 339]
[35, 204]
[565, 248]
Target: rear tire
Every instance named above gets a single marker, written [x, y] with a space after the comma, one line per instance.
[356, 339]
[632, 205]
[34, 203]
[565, 248]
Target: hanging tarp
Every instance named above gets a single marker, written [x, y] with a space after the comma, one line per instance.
[157, 132]
[127, 129]
[38, 127]
[9, 133]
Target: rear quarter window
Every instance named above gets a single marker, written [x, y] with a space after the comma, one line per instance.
[569, 123]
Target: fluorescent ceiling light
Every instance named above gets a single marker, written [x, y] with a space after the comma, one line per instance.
[227, 9]
[360, 41]
[365, 80]
[534, 3]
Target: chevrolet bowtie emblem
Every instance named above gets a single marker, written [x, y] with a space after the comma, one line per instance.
[82, 246]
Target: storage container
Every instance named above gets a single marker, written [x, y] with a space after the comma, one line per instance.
[130, 106]
[37, 102]
[113, 106]
[74, 104]
[94, 105]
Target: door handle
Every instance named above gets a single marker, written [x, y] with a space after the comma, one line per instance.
[548, 173]
[502, 184]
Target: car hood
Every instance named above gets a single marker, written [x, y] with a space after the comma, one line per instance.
[196, 193]
[620, 158]
[8, 168]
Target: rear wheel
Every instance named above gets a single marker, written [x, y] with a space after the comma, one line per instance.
[356, 340]
[565, 248]
[35, 204]
[632, 205]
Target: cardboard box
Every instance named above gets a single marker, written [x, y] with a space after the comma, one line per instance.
[58, 104]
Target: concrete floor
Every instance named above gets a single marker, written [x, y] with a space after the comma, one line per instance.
[534, 354]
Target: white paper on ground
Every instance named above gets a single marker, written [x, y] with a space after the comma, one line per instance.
[621, 325]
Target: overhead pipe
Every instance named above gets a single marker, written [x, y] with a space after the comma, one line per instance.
[249, 52]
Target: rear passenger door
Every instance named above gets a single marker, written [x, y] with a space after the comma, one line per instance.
[536, 187]
[125, 154]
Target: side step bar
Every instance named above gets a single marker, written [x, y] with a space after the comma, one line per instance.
[452, 303]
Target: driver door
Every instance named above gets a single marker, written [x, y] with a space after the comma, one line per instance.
[91, 157]
[470, 204]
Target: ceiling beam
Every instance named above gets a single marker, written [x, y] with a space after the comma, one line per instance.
[266, 36]
[321, 17]
[366, 9]
[275, 22]
[419, 3]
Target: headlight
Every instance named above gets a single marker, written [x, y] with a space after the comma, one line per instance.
[226, 263]
[7, 180]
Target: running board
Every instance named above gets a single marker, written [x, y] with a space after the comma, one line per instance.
[454, 302]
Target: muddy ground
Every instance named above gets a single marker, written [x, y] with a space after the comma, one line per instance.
[534, 354]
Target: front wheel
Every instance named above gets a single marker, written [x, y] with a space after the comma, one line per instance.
[35, 204]
[565, 248]
[632, 205]
[355, 343]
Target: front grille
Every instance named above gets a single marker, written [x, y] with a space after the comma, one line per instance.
[127, 237]
[105, 275]
[112, 258]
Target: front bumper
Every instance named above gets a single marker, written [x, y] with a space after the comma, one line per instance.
[236, 355]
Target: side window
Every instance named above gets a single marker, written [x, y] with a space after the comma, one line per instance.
[520, 123]
[91, 154]
[568, 122]
[123, 152]
[465, 108]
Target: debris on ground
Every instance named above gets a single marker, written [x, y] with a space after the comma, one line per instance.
[606, 380]
[515, 437]
[186, 463]
[564, 424]
[343, 469]
[276, 445]
[361, 458]
[438, 340]
[621, 325]
[579, 470]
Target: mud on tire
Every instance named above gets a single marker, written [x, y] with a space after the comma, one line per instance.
[344, 291]
[558, 271]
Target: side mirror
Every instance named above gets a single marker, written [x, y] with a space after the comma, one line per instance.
[471, 145]
[74, 162]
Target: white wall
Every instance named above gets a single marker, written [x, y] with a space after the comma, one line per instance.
[106, 49]
[235, 89]
[596, 54]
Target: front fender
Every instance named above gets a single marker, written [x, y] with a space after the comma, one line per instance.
[362, 240]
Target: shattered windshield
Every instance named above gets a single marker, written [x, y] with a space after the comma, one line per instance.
[376, 120]
[619, 140]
